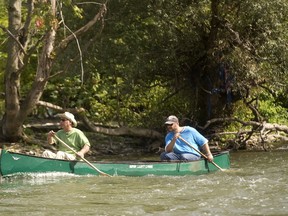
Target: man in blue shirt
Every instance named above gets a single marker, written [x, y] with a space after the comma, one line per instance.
[177, 149]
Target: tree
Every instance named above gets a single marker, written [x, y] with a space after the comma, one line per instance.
[37, 35]
[153, 58]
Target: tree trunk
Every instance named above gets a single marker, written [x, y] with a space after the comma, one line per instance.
[16, 113]
[11, 126]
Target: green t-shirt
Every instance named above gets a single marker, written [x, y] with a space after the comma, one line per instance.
[74, 138]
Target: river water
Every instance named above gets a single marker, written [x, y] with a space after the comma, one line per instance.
[256, 184]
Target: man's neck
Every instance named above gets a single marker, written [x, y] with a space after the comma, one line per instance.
[179, 129]
[68, 129]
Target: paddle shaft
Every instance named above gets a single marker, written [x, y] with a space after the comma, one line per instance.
[203, 155]
[90, 164]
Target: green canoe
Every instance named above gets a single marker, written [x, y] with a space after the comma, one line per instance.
[16, 163]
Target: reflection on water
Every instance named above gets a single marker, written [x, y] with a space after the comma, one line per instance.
[256, 185]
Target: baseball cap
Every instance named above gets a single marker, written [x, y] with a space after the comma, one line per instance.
[171, 120]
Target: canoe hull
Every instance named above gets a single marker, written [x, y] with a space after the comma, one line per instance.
[15, 163]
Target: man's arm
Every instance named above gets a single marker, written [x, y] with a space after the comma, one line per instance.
[84, 150]
[170, 146]
[206, 149]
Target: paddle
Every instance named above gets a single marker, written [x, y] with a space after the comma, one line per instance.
[90, 164]
[203, 155]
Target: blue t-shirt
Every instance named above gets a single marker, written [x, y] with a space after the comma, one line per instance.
[192, 136]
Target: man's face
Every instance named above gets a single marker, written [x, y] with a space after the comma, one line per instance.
[65, 123]
[170, 127]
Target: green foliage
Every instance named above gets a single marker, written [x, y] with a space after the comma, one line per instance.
[156, 58]
[272, 111]
[151, 55]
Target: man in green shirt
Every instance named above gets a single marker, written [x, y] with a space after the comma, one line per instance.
[70, 135]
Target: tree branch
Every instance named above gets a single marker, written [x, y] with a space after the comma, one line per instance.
[100, 15]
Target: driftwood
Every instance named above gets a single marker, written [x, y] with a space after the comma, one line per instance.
[257, 132]
[122, 131]
[113, 131]
[250, 133]
[268, 126]
[152, 139]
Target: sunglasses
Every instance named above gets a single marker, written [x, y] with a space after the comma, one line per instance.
[169, 125]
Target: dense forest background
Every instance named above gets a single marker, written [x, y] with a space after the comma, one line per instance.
[123, 66]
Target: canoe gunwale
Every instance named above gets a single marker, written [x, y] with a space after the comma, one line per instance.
[116, 162]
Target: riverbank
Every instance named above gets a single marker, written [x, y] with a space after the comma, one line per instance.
[102, 146]
[121, 147]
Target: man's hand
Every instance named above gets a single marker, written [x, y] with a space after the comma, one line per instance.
[50, 136]
[83, 151]
[80, 154]
[176, 135]
[209, 157]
